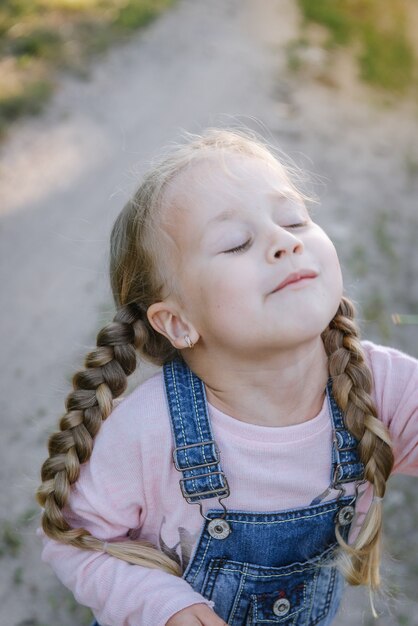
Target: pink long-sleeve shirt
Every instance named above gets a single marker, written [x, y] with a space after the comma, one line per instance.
[130, 487]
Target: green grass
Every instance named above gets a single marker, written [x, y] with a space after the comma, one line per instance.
[332, 14]
[38, 37]
[18, 576]
[358, 261]
[387, 59]
[411, 165]
[28, 100]
[10, 540]
[374, 311]
[384, 239]
[378, 31]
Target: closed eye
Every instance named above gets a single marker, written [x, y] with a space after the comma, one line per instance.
[246, 244]
[299, 225]
[240, 248]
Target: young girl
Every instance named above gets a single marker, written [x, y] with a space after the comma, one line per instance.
[225, 489]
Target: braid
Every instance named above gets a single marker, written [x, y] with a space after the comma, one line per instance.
[90, 403]
[352, 386]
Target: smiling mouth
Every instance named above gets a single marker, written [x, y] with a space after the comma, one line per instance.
[295, 278]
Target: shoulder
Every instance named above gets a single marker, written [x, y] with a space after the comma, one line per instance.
[379, 355]
[149, 394]
[389, 364]
[142, 413]
[395, 393]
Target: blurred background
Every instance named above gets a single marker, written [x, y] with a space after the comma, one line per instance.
[89, 91]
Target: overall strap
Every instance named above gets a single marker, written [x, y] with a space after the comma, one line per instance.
[346, 464]
[196, 454]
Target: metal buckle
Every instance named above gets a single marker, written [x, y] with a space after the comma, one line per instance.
[194, 445]
[336, 440]
[210, 519]
[200, 494]
[351, 479]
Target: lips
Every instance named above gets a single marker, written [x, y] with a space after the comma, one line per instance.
[295, 277]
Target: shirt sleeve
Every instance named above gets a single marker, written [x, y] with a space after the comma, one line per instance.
[118, 593]
[108, 500]
[395, 377]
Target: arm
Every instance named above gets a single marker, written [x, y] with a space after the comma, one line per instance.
[108, 500]
[396, 393]
[118, 593]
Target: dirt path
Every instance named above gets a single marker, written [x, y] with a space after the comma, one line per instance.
[65, 175]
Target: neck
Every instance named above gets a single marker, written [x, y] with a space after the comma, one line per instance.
[285, 389]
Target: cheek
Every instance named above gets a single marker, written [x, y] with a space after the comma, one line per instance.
[325, 251]
[219, 293]
[331, 270]
[333, 261]
[223, 293]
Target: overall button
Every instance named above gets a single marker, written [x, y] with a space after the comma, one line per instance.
[219, 528]
[281, 607]
[345, 515]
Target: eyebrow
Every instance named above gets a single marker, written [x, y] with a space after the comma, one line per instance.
[232, 212]
[290, 194]
[225, 215]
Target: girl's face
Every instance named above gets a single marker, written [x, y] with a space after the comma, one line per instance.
[237, 238]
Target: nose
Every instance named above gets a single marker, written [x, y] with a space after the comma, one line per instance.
[283, 242]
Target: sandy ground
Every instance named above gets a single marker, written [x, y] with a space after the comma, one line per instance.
[65, 175]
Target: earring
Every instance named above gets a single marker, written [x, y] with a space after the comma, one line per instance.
[188, 341]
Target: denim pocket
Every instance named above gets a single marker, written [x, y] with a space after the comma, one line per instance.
[284, 605]
[303, 597]
[255, 595]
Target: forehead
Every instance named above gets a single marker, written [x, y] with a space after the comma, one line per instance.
[212, 185]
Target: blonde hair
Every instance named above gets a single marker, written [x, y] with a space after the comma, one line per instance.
[137, 281]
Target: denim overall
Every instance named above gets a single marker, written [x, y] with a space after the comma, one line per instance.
[259, 568]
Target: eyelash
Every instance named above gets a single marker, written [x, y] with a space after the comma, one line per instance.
[245, 245]
[239, 248]
[299, 225]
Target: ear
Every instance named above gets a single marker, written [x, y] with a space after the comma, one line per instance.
[168, 320]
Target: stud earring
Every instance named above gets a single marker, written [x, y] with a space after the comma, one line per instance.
[188, 341]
